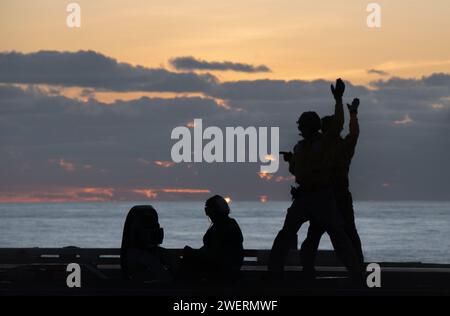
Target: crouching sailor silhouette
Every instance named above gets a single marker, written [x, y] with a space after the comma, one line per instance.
[142, 257]
[220, 259]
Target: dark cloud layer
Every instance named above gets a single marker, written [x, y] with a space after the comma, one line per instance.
[52, 141]
[94, 70]
[191, 63]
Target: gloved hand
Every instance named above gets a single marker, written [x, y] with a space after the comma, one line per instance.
[338, 90]
[353, 108]
[287, 156]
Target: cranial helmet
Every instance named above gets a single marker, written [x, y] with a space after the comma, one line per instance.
[309, 121]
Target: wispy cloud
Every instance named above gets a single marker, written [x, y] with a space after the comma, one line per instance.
[164, 164]
[148, 193]
[265, 176]
[191, 63]
[191, 191]
[378, 72]
[67, 166]
[404, 121]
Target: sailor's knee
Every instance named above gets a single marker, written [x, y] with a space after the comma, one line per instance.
[351, 229]
[337, 233]
[287, 233]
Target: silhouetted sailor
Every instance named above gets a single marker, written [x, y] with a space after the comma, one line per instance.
[220, 259]
[314, 199]
[142, 258]
[342, 154]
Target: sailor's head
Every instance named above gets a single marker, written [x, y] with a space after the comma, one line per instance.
[144, 227]
[216, 208]
[309, 124]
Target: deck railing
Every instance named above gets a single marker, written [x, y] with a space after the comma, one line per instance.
[111, 256]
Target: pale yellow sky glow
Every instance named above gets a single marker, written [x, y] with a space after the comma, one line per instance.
[296, 39]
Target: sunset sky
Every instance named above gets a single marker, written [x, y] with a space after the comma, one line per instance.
[296, 39]
[95, 126]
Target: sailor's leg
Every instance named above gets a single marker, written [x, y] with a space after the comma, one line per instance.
[308, 251]
[345, 205]
[346, 252]
[332, 220]
[193, 267]
[295, 217]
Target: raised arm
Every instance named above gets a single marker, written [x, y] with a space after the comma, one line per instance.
[352, 138]
[353, 125]
[338, 122]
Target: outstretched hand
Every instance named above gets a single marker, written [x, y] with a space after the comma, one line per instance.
[353, 108]
[338, 90]
[287, 156]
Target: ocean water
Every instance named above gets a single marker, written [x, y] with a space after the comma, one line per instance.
[390, 231]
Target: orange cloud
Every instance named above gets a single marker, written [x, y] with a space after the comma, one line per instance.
[269, 177]
[281, 178]
[223, 103]
[153, 193]
[109, 192]
[92, 194]
[67, 166]
[269, 158]
[70, 166]
[89, 194]
[149, 193]
[164, 164]
[194, 191]
[265, 176]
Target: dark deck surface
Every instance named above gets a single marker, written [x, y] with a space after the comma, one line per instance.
[40, 271]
